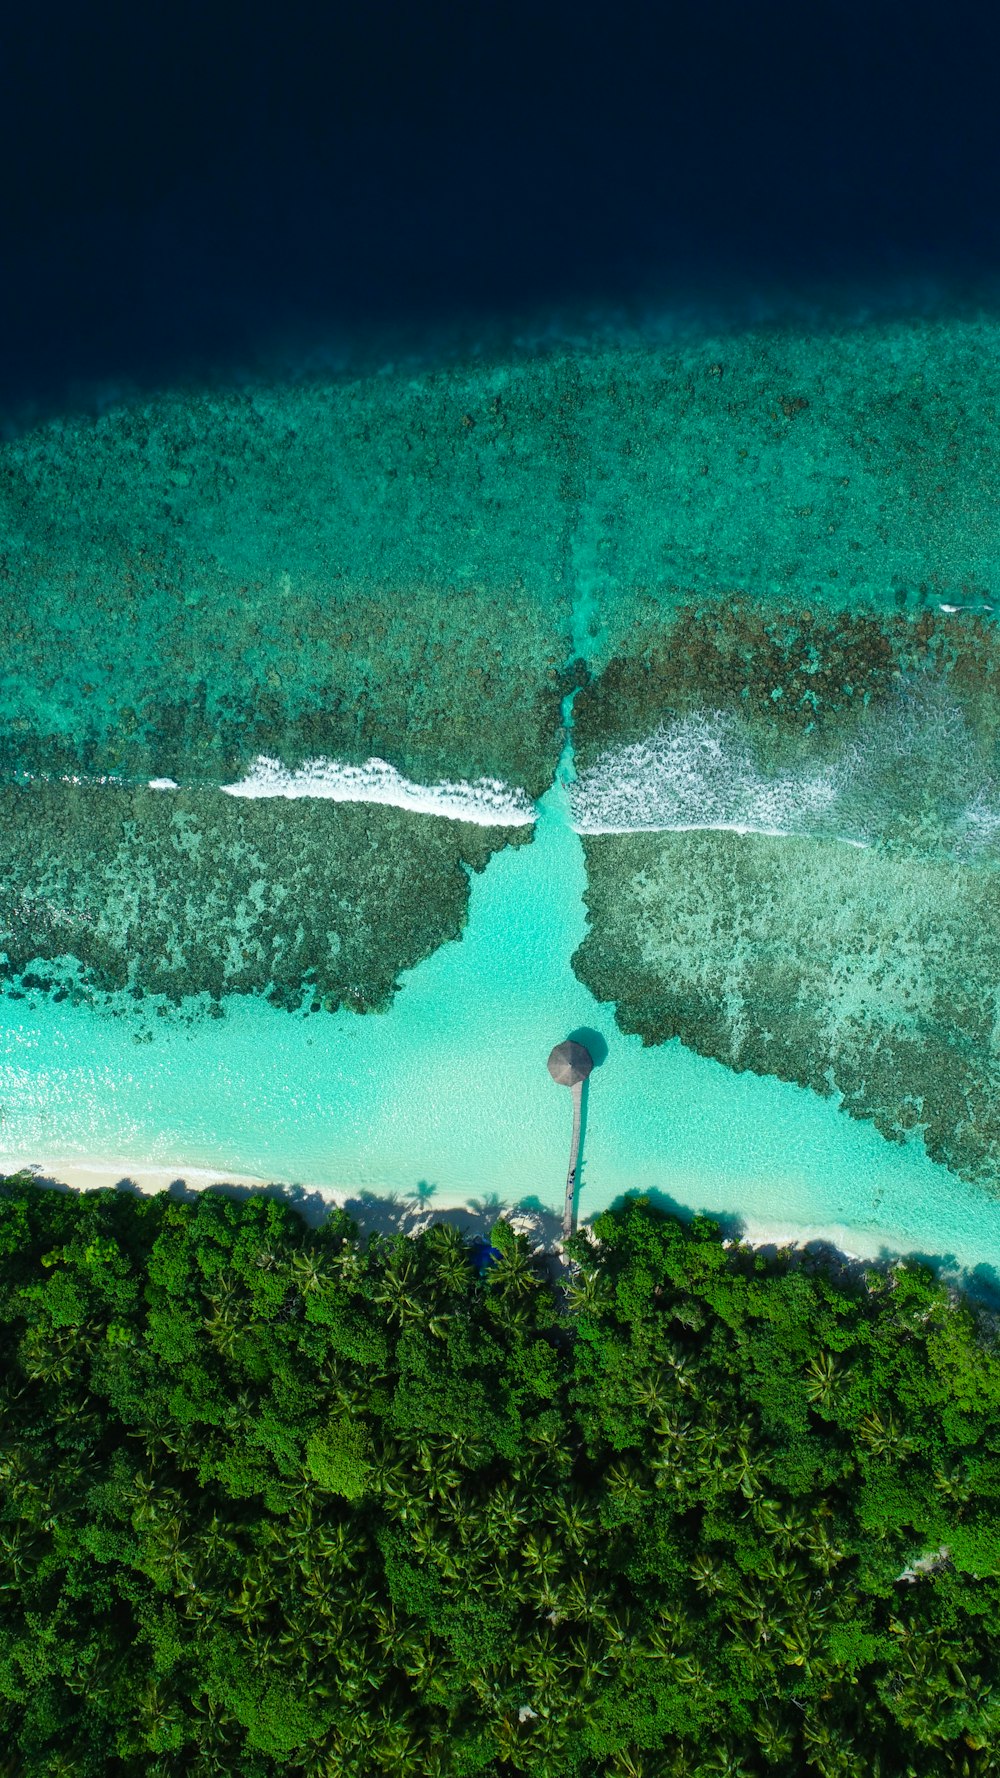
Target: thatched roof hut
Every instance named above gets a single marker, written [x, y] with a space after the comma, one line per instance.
[570, 1063]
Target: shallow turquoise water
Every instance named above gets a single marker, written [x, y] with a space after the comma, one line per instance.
[450, 1090]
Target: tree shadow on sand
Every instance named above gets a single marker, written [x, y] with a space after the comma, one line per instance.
[389, 1213]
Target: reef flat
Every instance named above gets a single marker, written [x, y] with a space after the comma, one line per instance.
[355, 570]
[764, 561]
[846, 970]
[194, 893]
[405, 565]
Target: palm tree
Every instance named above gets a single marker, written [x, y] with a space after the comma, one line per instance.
[310, 1269]
[829, 1749]
[48, 1354]
[675, 1433]
[627, 1484]
[790, 1526]
[954, 1484]
[587, 1292]
[764, 1513]
[883, 1435]
[536, 1592]
[397, 1289]
[157, 1714]
[630, 1762]
[541, 1555]
[349, 1264]
[252, 1603]
[580, 1599]
[680, 1367]
[506, 1513]
[148, 1497]
[785, 1576]
[478, 1550]
[800, 1644]
[435, 1761]
[576, 1524]
[512, 1276]
[542, 1661]
[76, 1424]
[746, 1470]
[510, 1741]
[723, 1761]
[433, 1548]
[666, 1636]
[709, 1575]
[57, 1765]
[215, 1541]
[451, 1261]
[466, 1448]
[761, 1617]
[547, 1440]
[329, 1761]
[821, 1549]
[341, 1546]
[654, 1393]
[711, 1441]
[822, 1379]
[440, 1480]
[586, 1661]
[775, 1740]
[431, 1669]
[688, 1670]
[393, 1479]
[15, 1470]
[622, 1631]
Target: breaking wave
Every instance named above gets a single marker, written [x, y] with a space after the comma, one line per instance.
[913, 776]
[487, 802]
[698, 772]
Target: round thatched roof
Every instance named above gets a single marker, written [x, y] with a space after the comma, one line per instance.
[569, 1063]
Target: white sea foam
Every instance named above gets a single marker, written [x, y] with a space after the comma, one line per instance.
[912, 775]
[698, 772]
[488, 801]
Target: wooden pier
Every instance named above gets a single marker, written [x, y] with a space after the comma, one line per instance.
[569, 1065]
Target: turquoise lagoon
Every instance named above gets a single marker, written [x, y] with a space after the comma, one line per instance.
[769, 555]
[446, 1097]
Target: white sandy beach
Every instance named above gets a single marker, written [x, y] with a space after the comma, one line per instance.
[412, 1213]
[382, 1210]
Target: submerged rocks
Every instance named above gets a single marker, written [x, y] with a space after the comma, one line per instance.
[198, 893]
[776, 548]
[867, 973]
[346, 570]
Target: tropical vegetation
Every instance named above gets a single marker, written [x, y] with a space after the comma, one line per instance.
[280, 1500]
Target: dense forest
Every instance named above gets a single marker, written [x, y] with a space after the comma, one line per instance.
[278, 1500]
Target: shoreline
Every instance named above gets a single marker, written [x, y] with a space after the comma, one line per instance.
[373, 1210]
[384, 1210]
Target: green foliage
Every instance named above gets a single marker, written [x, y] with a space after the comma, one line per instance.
[272, 1501]
[503, 1237]
[338, 1458]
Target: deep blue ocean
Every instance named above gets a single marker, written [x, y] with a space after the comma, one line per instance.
[194, 190]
